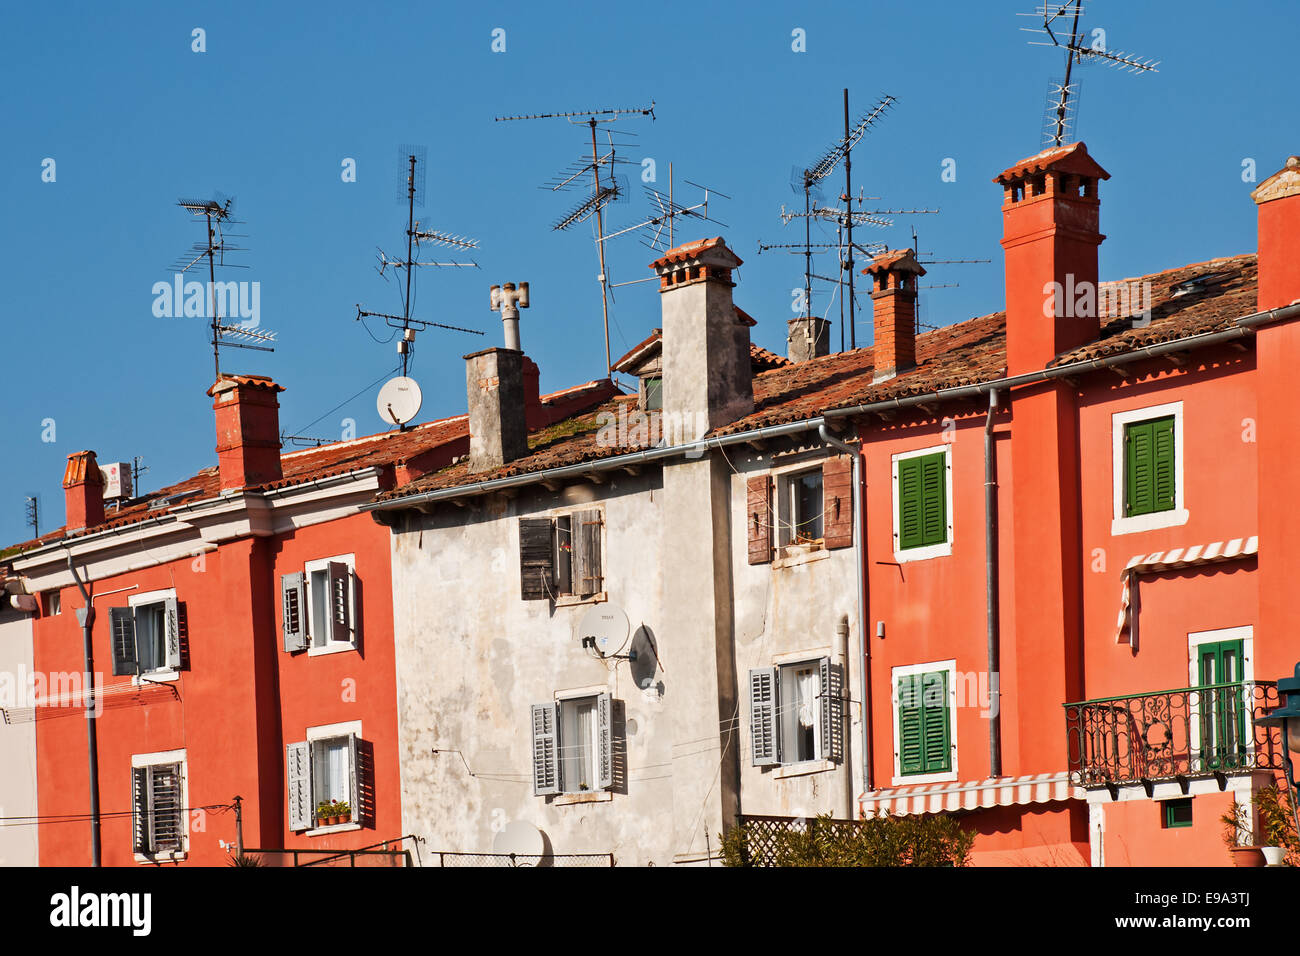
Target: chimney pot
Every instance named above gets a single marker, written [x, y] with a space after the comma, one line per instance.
[83, 492]
[248, 430]
[496, 394]
[807, 337]
[1278, 202]
[893, 302]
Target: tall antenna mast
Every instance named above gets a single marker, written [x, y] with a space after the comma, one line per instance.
[1061, 109]
[601, 194]
[34, 514]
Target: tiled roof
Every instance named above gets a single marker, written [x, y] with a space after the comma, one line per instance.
[964, 353]
[337, 458]
[761, 360]
[1071, 158]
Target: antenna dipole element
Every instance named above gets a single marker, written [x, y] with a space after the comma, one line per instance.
[508, 300]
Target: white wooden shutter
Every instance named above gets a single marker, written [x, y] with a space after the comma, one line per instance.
[340, 602]
[172, 633]
[141, 818]
[832, 710]
[166, 812]
[604, 743]
[121, 622]
[354, 778]
[293, 601]
[298, 765]
[546, 769]
[764, 692]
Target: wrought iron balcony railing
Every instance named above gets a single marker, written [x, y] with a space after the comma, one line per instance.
[1172, 734]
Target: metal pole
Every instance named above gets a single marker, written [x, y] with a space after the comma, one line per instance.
[992, 609]
[848, 206]
[239, 827]
[410, 232]
[600, 245]
[92, 734]
[212, 289]
[807, 254]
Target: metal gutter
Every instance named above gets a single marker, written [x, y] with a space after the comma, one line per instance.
[992, 607]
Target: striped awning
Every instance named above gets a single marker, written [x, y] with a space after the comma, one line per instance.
[1173, 558]
[972, 795]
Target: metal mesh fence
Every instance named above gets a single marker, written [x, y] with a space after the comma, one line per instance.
[451, 859]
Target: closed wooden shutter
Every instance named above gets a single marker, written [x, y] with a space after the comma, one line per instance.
[837, 502]
[167, 809]
[924, 730]
[292, 602]
[937, 742]
[764, 692]
[171, 622]
[121, 622]
[142, 830]
[546, 770]
[1150, 479]
[588, 577]
[832, 710]
[922, 501]
[298, 767]
[340, 584]
[536, 558]
[910, 727]
[604, 743]
[758, 518]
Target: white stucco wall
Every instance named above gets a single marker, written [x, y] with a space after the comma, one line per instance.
[18, 844]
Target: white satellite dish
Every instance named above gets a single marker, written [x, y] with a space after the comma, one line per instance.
[522, 839]
[607, 625]
[399, 400]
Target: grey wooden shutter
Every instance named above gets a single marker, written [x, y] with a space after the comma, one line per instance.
[604, 743]
[340, 602]
[292, 602]
[141, 819]
[166, 809]
[546, 770]
[298, 765]
[354, 773]
[121, 623]
[536, 558]
[588, 577]
[172, 635]
[832, 709]
[764, 691]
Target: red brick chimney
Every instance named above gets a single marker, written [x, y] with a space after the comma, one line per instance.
[248, 430]
[1050, 230]
[1278, 199]
[83, 492]
[893, 300]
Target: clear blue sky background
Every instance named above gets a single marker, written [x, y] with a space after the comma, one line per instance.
[134, 119]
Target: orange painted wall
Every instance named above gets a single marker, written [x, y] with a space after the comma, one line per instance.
[1135, 835]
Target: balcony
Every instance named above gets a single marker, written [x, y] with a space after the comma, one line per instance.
[1206, 731]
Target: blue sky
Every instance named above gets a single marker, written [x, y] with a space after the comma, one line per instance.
[283, 94]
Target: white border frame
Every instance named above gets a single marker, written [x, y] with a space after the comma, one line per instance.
[931, 550]
[332, 646]
[909, 670]
[153, 760]
[160, 674]
[1157, 519]
[326, 732]
[563, 697]
[1244, 633]
[567, 511]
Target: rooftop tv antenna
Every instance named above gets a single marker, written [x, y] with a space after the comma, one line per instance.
[216, 214]
[1062, 98]
[403, 389]
[34, 514]
[604, 190]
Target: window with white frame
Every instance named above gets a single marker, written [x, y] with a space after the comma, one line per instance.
[145, 636]
[318, 606]
[1147, 465]
[925, 722]
[158, 815]
[799, 506]
[922, 482]
[327, 777]
[573, 746]
[561, 556]
[796, 712]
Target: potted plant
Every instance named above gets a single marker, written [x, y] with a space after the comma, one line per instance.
[1236, 831]
[323, 813]
[1276, 825]
[342, 812]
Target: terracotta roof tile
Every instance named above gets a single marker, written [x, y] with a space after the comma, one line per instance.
[1071, 158]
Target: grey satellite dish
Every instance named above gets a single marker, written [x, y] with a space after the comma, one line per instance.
[399, 400]
[522, 839]
[605, 625]
[644, 662]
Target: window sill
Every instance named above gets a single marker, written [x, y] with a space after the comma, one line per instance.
[1149, 522]
[924, 554]
[173, 856]
[571, 600]
[337, 828]
[803, 769]
[590, 796]
[330, 648]
[792, 556]
[155, 677]
[903, 780]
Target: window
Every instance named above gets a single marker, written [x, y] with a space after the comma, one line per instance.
[560, 557]
[800, 509]
[922, 504]
[573, 748]
[653, 390]
[53, 603]
[1220, 666]
[158, 812]
[329, 778]
[925, 722]
[1176, 813]
[796, 713]
[145, 636]
[318, 606]
[1148, 468]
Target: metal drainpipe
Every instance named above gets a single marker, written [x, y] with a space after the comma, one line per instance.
[859, 516]
[991, 588]
[92, 731]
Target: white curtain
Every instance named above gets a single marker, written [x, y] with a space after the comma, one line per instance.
[576, 737]
[807, 690]
[330, 772]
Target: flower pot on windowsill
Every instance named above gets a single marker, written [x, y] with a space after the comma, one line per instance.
[1247, 856]
[344, 818]
[1273, 855]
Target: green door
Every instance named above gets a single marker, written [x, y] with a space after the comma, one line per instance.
[1223, 710]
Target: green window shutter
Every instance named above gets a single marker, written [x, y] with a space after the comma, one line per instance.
[911, 756]
[937, 742]
[1149, 478]
[922, 501]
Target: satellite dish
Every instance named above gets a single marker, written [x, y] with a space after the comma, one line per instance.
[607, 624]
[523, 840]
[399, 400]
[645, 662]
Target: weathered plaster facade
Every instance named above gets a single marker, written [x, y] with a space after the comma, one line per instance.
[18, 844]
